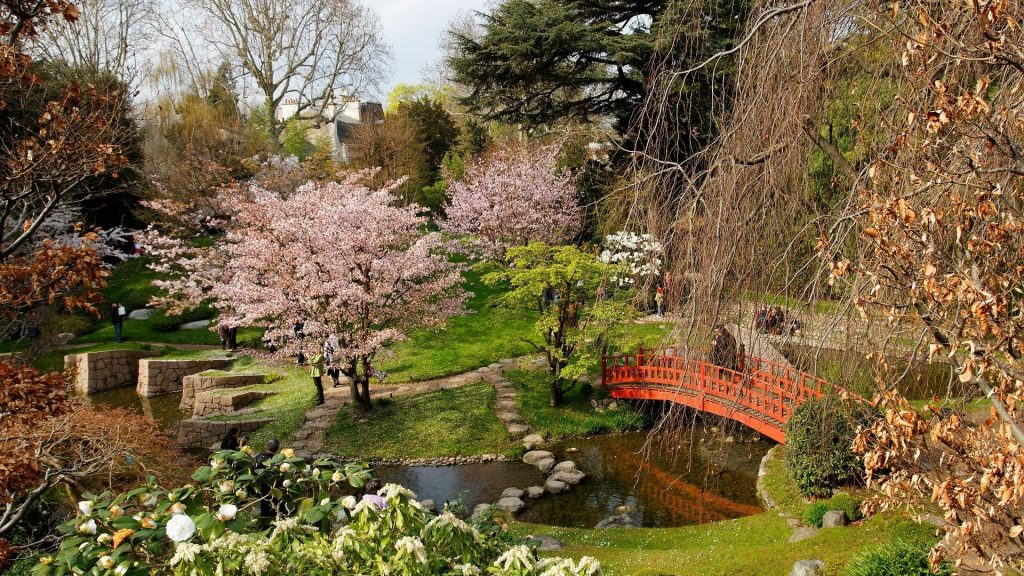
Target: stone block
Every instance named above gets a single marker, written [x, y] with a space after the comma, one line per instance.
[196, 433]
[99, 371]
[157, 377]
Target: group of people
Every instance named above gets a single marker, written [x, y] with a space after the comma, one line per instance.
[325, 361]
[772, 320]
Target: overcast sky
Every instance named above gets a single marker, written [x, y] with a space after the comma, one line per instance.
[413, 28]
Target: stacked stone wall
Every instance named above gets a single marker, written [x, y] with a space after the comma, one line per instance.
[194, 384]
[158, 377]
[195, 433]
[98, 371]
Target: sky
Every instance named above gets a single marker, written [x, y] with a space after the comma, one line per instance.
[413, 29]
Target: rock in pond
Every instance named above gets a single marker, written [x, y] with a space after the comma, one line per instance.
[569, 477]
[546, 465]
[807, 568]
[566, 466]
[534, 492]
[532, 441]
[429, 506]
[834, 519]
[512, 493]
[509, 504]
[619, 521]
[555, 486]
[480, 509]
[534, 456]
[546, 543]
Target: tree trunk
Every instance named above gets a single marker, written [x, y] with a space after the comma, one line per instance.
[556, 392]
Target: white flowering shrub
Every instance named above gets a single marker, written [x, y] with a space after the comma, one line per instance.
[318, 527]
[640, 254]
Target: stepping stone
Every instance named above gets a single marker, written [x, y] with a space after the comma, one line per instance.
[566, 466]
[532, 441]
[534, 456]
[512, 505]
[507, 396]
[620, 521]
[508, 417]
[516, 430]
[512, 493]
[546, 465]
[319, 424]
[534, 492]
[573, 477]
[555, 486]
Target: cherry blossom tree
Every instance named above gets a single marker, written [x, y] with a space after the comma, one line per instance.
[340, 257]
[514, 196]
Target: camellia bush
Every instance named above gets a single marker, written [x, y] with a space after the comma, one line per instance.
[285, 516]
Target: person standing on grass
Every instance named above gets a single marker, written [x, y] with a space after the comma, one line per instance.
[117, 314]
[316, 371]
[659, 299]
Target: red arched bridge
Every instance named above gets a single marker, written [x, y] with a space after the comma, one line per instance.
[761, 395]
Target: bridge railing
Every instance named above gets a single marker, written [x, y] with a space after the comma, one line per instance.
[767, 388]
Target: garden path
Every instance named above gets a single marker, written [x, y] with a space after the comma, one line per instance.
[309, 438]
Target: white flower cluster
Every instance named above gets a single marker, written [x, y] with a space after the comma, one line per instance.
[641, 254]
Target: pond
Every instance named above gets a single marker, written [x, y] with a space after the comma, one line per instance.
[710, 481]
[163, 409]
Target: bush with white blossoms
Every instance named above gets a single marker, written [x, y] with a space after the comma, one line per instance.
[641, 254]
[214, 528]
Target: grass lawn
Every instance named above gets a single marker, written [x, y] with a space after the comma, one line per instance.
[452, 422]
[484, 336]
[576, 417]
[754, 545]
[294, 396]
[142, 331]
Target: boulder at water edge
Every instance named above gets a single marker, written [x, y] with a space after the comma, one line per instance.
[480, 509]
[808, 568]
[532, 441]
[620, 521]
[534, 492]
[512, 493]
[429, 506]
[546, 465]
[834, 519]
[512, 505]
[534, 456]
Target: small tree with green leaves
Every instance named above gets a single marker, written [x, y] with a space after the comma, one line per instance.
[571, 290]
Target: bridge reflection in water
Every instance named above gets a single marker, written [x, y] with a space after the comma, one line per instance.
[699, 486]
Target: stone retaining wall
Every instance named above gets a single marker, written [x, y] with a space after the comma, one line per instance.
[195, 433]
[214, 402]
[98, 371]
[158, 377]
[193, 384]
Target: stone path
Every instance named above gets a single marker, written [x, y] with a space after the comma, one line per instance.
[309, 438]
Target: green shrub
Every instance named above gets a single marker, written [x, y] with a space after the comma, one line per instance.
[847, 503]
[814, 513]
[899, 557]
[819, 438]
[76, 324]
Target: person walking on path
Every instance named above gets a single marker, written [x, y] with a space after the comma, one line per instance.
[316, 371]
[659, 299]
[331, 359]
[117, 314]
